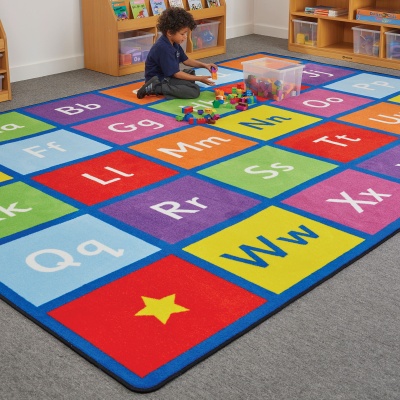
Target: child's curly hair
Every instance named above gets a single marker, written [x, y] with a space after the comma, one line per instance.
[174, 19]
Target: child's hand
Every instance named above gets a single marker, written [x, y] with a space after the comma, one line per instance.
[209, 66]
[206, 79]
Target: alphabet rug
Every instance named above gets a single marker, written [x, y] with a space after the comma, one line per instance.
[147, 243]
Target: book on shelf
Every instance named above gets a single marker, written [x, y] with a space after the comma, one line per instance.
[371, 18]
[120, 10]
[139, 9]
[337, 12]
[381, 15]
[195, 4]
[379, 12]
[326, 10]
[332, 12]
[176, 3]
[311, 10]
[386, 12]
[157, 6]
[213, 3]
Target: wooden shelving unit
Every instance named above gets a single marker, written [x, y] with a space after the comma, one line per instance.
[101, 31]
[335, 34]
[5, 94]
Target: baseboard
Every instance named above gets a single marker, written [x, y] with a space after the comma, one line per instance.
[269, 30]
[239, 30]
[51, 67]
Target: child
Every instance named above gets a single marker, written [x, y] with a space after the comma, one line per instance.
[162, 72]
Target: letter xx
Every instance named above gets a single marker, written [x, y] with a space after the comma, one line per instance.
[355, 203]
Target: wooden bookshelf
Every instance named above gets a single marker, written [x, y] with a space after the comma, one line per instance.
[102, 31]
[5, 94]
[335, 37]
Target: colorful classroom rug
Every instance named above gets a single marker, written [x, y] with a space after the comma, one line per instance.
[146, 243]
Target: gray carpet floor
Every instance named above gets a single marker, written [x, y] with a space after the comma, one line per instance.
[339, 341]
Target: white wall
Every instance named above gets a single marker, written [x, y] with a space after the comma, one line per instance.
[271, 18]
[44, 37]
[239, 18]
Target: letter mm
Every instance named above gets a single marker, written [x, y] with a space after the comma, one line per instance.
[183, 146]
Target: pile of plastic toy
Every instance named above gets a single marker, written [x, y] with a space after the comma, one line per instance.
[270, 89]
[238, 99]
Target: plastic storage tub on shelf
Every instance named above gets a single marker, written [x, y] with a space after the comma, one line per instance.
[393, 44]
[273, 78]
[305, 32]
[205, 34]
[366, 40]
[134, 49]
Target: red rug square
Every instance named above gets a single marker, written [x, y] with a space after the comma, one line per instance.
[337, 141]
[105, 177]
[153, 315]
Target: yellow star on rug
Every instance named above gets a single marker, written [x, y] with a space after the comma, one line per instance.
[160, 308]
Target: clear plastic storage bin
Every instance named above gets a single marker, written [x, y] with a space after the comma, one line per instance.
[205, 34]
[393, 44]
[134, 49]
[305, 32]
[273, 78]
[366, 40]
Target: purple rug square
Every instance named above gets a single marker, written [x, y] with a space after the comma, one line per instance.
[386, 163]
[323, 103]
[130, 126]
[353, 199]
[318, 74]
[179, 209]
[78, 108]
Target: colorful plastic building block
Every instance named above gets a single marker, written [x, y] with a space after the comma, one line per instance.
[241, 106]
[187, 109]
[216, 103]
[188, 116]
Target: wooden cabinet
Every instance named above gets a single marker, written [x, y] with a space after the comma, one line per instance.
[102, 31]
[5, 93]
[335, 36]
